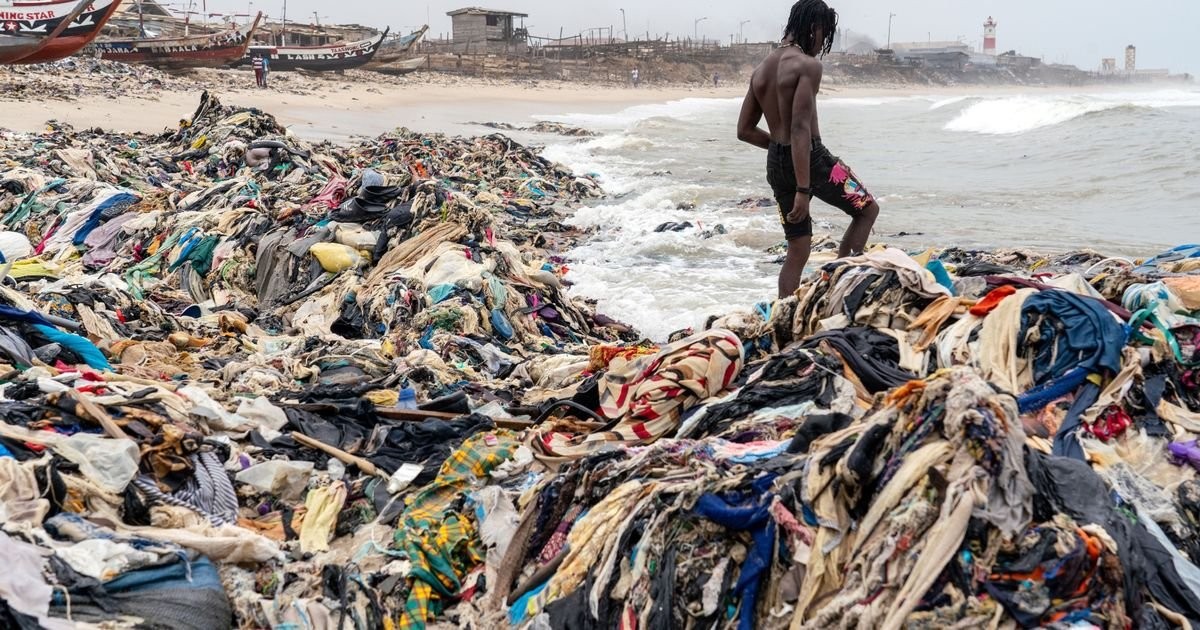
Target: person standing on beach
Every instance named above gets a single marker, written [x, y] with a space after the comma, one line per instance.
[799, 167]
[259, 69]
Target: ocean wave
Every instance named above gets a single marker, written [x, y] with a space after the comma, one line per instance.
[947, 102]
[688, 109]
[618, 143]
[1020, 114]
[868, 101]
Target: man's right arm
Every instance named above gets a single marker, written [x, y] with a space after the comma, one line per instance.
[748, 129]
[804, 105]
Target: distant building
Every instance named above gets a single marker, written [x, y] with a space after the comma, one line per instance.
[1130, 58]
[1108, 65]
[982, 59]
[989, 36]
[861, 49]
[1012, 60]
[939, 55]
[486, 30]
[930, 47]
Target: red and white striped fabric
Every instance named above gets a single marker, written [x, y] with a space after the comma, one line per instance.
[649, 394]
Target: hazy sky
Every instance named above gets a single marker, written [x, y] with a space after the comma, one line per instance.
[1080, 32]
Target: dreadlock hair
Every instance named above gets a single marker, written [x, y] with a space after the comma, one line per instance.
[806, 16]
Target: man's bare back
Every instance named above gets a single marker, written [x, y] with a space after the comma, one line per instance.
[773, 87]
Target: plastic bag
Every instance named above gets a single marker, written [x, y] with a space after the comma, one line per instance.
[283, 479]
[210, 410]
[107, 462]
[260, 412]
[335, 257]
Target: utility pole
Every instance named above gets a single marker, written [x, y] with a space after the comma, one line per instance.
[890, 16]
[696, 28]
[283, 31]
[624, 26]
[740, 38]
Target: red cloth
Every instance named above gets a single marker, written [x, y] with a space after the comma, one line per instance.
[992, 300]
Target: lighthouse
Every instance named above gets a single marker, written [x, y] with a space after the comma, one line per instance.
[989, 37]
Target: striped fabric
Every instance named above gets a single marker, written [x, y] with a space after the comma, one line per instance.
[208, 491]
[649, 394]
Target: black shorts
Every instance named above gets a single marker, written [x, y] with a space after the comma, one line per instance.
[830, 179]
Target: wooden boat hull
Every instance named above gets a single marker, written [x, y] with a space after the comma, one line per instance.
[398, 49]
[200, 51]
[405, 66]
[28, 29]
[318, 58]
[79, 33]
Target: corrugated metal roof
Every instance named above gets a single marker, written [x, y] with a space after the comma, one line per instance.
[482, 11]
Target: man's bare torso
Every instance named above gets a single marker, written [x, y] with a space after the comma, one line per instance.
[774, 86]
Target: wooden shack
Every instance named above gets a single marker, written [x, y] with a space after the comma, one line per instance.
[487, 30]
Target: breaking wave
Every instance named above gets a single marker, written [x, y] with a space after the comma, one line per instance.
[688, 109]
[1020, 114]
[947, 102]
[868, 101]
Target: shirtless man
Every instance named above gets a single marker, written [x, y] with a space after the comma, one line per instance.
[784, 89]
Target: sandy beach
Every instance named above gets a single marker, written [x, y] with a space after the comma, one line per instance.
[333, 107]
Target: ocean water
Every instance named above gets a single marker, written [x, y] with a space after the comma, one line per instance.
[1116, 171]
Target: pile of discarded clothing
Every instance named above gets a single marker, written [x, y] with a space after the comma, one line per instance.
[253, 382]
[914, 441]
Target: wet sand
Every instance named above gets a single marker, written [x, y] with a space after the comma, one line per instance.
[339, 111]
[336, 107]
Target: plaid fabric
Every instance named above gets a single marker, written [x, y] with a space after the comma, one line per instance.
[649, 394]
[441, 543]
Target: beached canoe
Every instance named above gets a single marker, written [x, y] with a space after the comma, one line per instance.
[318, 58]
[212, 50]
[397, 48]
[79, 32]
[404, 66]
[26, 29]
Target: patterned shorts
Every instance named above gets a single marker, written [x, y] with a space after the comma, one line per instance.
[831, 181]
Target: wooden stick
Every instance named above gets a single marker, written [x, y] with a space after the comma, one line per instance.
[416, 415]
[100, 416]
[137, 380]
[340, 455]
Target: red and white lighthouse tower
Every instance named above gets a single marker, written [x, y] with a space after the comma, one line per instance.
[989, 36]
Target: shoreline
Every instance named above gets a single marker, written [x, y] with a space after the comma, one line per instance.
[341, 109]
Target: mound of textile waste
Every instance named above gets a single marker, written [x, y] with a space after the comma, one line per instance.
[253, 382]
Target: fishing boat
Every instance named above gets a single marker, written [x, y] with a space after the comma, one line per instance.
[79, 32]
[27, 29]
[210, 50]
[396, 48]
[404, 66]
[318, 58]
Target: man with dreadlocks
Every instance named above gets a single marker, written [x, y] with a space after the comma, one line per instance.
[799, 167]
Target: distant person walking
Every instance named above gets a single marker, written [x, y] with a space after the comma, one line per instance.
[260, 71]
[716, 79]
[266, 58]
[799, 167]
[635, 77]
